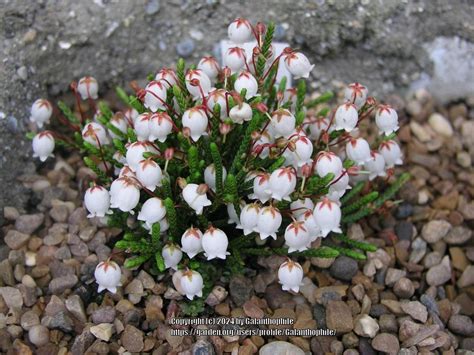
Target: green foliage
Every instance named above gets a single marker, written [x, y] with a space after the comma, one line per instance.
[103, 178]
[324, 97]
[172, 219]
[216, 158]
[67, 112]
[267, 42]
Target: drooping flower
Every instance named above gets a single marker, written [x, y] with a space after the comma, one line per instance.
[327, 215]
[149, 174]
[261, 188]
[298, 64]
[119, 121]
[172, 255]
[249, 218]
[317, 126]
[167, 76]
[160, 126]
[283, 122]
[328, 162]
[240, 31]
[240, 113]
[192, 284]
[386, 119]
[135, 153]
[375, 166]
[153, 210]
[299, 151]
[88, 88]
[282, 183]
[107, 275]
[126, 197]
[198, 83]
[43, 145]
[215, 243]
[41, 112]
[310, 224]
[297, 237]
[290, 276]
[95, 134]
[210, 66]
[358, 150]
[210, 176]
[338, 188]
[155, 96]
[191, 242]
[97, 201]
[299, 207]
[356, 94]
[195, 119]
[391, 153]
[195, 196]
[246, 81]
[269, 221]
[346, 117]
[218, 96]
[142, 126]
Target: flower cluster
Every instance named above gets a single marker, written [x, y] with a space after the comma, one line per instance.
[220, 162]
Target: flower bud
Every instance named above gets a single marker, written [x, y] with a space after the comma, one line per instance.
[296, 237]
[107, 275]
[210, 176]
[346, 117]
[93, 133]
[327, 215]
[192, 284]
[248, 218]
[169, 153]
[356, 94]
[196, 120]
[41, 112]
[391, 153]
[88, 88]
[298, 64]
[215, 243]
[245, 80]
[240, 113]
[240, 31]
[196, 200]
[191, 242]
[142, 126]
[155, 96]
[290, 276]
[283, 122]
[224, 128]
[97, 201]
[386, 119]
[210, 66]
[172, 255]
[153, 210]
[269, 221]
[204, 83]
[282, 183]
[358, 150]
[160, 126]
[43, 145]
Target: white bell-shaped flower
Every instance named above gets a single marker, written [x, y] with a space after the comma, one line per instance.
[310, 224]
[97, 201]
[198, 83]
[149, 174]
[391, 153]
[299, 207]
[218, 96]
[269, 221]
[191, 242]
[264, 139]
[290, 276]
[127, 196]
[247, 81]
[41, 112]
[386, 119]
[346, 117]
[358, 150]
[160, 125]
[249, 218]
[298, 64]
[164, 225]
[301, 151]
[119, 157]
[176, 279]
[210, 176]
[297, 237]
[155, 96]
[240, 113]
[283, 122]
[261, 188]
[231, 212]
[195, 196]
[116, 186]
[215, 243]
[88, 88]
[142, 126]
[328, 162]
[195, 119]
[135, 153]
[95, 134]
[167, 76]
[282, 183]
[327, 215]
[43, 145]
[153, 210]
[192, 284]
[240, 31]
[119, 121]
[338, 188]
[356, 94]
[317, 126]
[210, 66]
[375, 166]
[234, 58]
[107, 275]
[172, 255]
[290, 96]
[130, 115]
[126, 171]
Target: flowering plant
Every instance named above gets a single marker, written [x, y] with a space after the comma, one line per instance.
[222, 163]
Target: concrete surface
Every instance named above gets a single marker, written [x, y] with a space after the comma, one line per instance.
[386, 44]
